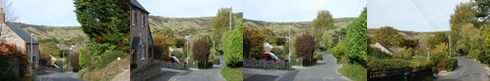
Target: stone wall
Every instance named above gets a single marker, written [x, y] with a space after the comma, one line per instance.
[170, 65]
[146, 72]
[262, 64]
[40, 70]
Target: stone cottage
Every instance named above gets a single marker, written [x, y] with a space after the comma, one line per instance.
[13, 34]
[140, 36]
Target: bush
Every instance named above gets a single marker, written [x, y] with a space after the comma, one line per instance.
[159, 52]
[111, 56]
[338, 51]
[82, 57]
[133, 65]
[200, 50]
[278, 52]
[74, 62]
[234, 47]
[179, 55]
[382, 64]
[305, 46]
[435, 70]
[474, 53]
[318, 56]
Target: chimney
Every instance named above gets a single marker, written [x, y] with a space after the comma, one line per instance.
[2, 16]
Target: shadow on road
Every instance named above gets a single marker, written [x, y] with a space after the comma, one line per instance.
[164, 76]
[289, 76]
[259, 77]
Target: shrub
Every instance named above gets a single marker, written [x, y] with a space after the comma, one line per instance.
[74, 60]
[234, 47]
[435, 70]
[111, 56]
[356, 40]
[159, 52]
[81, 59]
[179, 55]
[474, 53]
[278, 52]
[305, 46]
[133, 65]
[254, 40]
[200, 50]
[338, 51]
[318, 56]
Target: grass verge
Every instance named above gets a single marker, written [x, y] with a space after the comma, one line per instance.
[232, 74]
[354, 72]
[106, 73]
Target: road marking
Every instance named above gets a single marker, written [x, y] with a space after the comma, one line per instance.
[462, 71]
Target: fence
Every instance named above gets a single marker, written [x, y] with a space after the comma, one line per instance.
[400, 74]
[296, 62]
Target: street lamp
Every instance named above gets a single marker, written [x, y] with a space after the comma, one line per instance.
[31, 48]
[289, 56]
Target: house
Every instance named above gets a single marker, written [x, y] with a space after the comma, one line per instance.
[267, 47]
[140, 36]
[383, 48]
[13, 34]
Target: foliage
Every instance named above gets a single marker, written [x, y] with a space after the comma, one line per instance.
[305, 46]
[442, 48]
[179, 55]
[354, 72]
[10, 52]
[234, 47]
[97, 51]
[462, 14]
[356, 40]
[382, 64]
[46, 55]
[222, 19]
[82, 56]
[74, 62]
[323, 19]
[486, 43]
[279, 52]
[389, 36]
[200, 50]
[406, 53]
[133, 65]
[474, 53]
[468, 37]
[318, 56]
[439, 38]
[105, 21]
[338, 51]
[481, 11]
[165, 38]
[269, 36]
[255, 47]
[285, 49]
[51, 48]
[111, 56]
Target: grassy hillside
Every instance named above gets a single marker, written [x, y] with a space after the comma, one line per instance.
[58, 32]
[406, 34]
[199, 23]
[301, 26]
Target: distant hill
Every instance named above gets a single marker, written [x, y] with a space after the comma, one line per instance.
[406, 34]
[199, 23]
[58, 32]
[301, 26]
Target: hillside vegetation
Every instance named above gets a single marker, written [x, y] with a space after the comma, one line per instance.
[198, 23]
[58, 32]
[407, 34]
[296, 26]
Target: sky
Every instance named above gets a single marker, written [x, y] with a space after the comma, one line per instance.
[189, 8]
[404, 15]
[300, 10]
[46, 12]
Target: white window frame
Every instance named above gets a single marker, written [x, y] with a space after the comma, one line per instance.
[142, 21]
[133, 17]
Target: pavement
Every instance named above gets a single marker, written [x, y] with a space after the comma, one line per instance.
[325, 70]
[468, 70]
[57, 76]
[211, 74]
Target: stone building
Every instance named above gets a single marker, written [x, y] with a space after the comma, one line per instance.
[13, 34]
[140, 36]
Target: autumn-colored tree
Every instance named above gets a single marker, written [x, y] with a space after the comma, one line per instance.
[51, 48]
[46, 55]
[269, 36]
[11, 51]
[388, 36]
[160, 48]
[200, 50]
[305, 46]
[257, 40]
[74, 60]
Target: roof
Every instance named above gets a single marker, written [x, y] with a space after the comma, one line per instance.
[21, 33]
[138, 5]
[136, 42]
[383, 46]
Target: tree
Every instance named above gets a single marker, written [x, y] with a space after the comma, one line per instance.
[257, 40]
[74, 59]
[105, 21]
[388, 36]
[305, 47]
[233, 49]
[222, 19]
[51, 48]
[469, 37]
[161, 45]
[9, 11]
[46, 55]
[356, 40]
[463, 14]
[200, 50]
[269, 36]
[323, 20]
[439, 38]
[481, 11]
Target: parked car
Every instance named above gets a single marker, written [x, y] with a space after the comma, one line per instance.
[55, 66]
[268, 56]
[173, 59]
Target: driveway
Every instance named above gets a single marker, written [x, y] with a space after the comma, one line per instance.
[212, 74]
[468, 70]
[325, 70]
[57, 76]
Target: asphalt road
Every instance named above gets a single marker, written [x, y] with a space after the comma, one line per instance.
[325, 70]
[212, 74]
[467, 70]
[57, 76]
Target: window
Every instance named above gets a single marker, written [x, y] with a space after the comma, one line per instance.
[143, 52]
[142, 21]
[132, 17]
